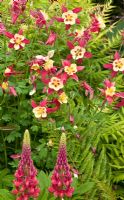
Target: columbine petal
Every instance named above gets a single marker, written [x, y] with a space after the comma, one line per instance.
[66, 63]
[80, 68]
[12, 91]
[75, 77]
[9, 35]
[117, 56]
[16, 46]
[120, 94]
[43, 103]
[120, 104]
[77, 10]
[108, 66]
[64, 9]
[88, 55]
[26, 41]
[33, 104]
[70, 45]
[78, 21]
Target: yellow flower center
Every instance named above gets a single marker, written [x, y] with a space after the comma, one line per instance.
[78, 52]
[39, 112]
[35, 67]
[18, 39]
[48, 65]
[70, 70]
[110, 91]
[63, 98]
[69, 17]
[55, 83]
[5, 85]
[118, 65]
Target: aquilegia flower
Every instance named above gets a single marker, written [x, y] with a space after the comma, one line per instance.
[6, 88]
[109, 91]
[52, 38]
[70, 70]
[17, 41]
[69, 17]
[116, 66]
[62, 177]
[26, 184]
[17, 8]
[40, 111]
[2, 28]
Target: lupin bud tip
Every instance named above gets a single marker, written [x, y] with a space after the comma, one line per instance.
[26, 140]
[63, 138]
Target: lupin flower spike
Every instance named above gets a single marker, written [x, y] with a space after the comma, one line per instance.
[61, 177]
[26, 184]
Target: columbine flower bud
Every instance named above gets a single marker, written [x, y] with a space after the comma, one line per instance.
[26, 184]
[61, 178]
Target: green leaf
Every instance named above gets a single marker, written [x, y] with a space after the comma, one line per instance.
[1, 91]
[5, 195]
[85, 187]
[44, 180]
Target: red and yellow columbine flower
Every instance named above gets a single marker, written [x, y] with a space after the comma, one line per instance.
[40, 111]
[48, 65]
[78, 52]
[51, 39]
[116, 66]
[70, 70]
[88, 89]
[17, 8]
[62, 178]
[7, 88]
[69, 17]
[17, 41]
[40, 16]
[35, 66]
[55, 83]
[97, 23]
[10, 71]
[79, 32]
[26, 183]
[63, 98]
[110, 92]
[2, 28]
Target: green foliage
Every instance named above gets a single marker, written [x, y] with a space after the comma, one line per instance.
[5, 194]
[95, 139]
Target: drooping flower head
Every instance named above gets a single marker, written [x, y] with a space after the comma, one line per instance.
[26, 184]
[17, 8]
[2, 28]
[40, 16]
[62, 177]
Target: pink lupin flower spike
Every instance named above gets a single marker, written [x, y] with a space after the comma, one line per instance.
[62, 178]
[26, 183]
